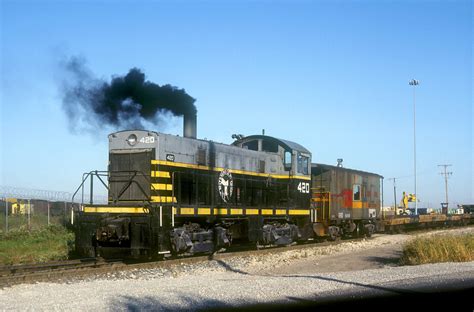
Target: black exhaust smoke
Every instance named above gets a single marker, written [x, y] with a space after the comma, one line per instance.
[126, 102]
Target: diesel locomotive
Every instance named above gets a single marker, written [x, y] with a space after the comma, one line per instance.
[169, 194]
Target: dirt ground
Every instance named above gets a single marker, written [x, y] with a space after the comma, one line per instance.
[380, 251]
[371, 258]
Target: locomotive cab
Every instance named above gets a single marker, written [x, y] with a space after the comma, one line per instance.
[295, 158]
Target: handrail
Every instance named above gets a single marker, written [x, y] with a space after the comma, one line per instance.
[130, 176]
[85, 176]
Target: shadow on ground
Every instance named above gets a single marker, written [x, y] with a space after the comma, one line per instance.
[186, 303]
[460, 299]
[360, 297]
[392, 260]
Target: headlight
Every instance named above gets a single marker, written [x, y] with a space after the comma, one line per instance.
[132, 139]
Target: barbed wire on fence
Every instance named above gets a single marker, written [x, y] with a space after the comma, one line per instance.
[49, 195]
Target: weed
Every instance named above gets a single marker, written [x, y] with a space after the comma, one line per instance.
[39, 245]
[439, 248]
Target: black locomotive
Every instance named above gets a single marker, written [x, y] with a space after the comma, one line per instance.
[181, 195]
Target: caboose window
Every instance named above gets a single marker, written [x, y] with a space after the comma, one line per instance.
[303, 164]
[356, 192]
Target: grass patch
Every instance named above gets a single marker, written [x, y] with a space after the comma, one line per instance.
[38, 245]
[37, 222]
[438, 248]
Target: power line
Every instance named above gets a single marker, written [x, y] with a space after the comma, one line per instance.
[424, 172]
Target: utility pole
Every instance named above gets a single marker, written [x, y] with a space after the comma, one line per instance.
[446, 176]
[394, 194]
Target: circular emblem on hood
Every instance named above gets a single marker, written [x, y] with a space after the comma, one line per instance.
[225, 185]
[132, 139]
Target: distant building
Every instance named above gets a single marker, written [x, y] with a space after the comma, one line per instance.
[468, 208]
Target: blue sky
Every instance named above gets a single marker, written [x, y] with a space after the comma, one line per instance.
[330, 75]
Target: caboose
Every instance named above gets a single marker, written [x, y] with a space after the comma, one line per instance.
[347, 201]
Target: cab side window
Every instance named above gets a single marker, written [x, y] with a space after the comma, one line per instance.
[303, 163]
[287, 161]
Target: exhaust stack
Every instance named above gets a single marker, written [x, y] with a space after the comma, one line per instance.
[190, 126]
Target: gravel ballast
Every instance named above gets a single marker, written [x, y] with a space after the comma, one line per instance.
[235, 281]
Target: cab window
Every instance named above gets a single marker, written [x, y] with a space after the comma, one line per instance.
[287, 161]
[251, 145]
[303, 162]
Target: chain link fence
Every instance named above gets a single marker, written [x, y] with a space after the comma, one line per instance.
[29, 209]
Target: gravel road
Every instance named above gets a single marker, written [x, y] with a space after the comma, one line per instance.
[290, 276]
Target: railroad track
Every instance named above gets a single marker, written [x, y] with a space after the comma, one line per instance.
[24, 273]
[64, 270]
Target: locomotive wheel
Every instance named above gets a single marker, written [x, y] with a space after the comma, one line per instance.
[334, 237]
[334, 233]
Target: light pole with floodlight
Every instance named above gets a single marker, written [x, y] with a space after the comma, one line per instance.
[414, 83]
